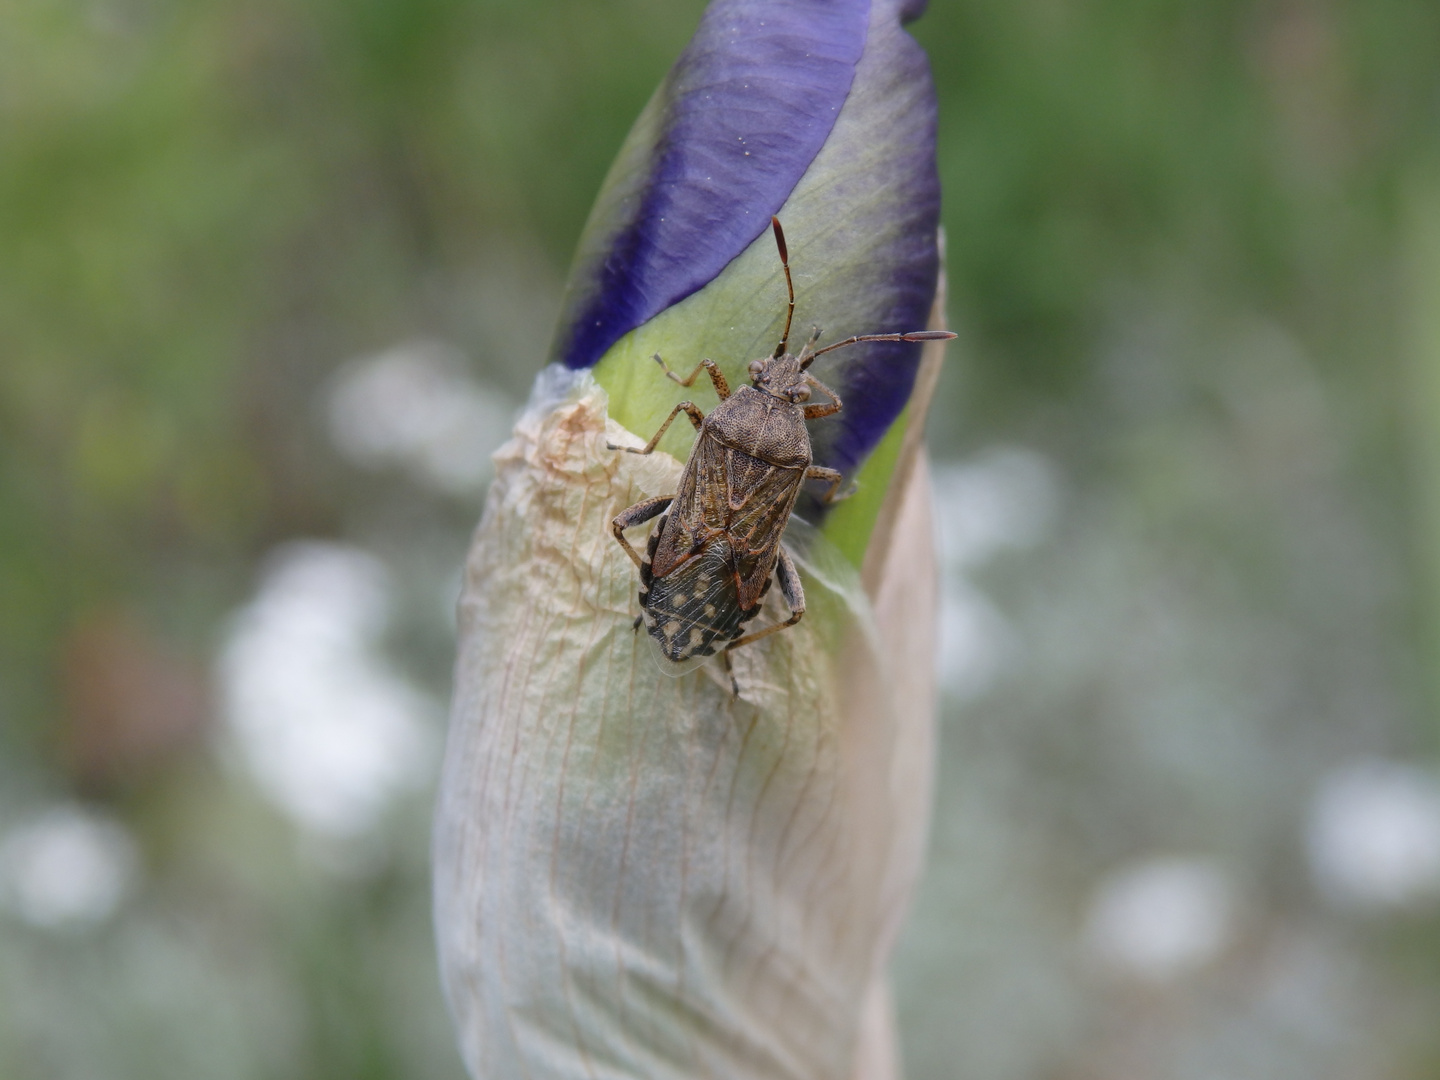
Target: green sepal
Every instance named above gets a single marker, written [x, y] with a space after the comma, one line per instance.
[851, 522]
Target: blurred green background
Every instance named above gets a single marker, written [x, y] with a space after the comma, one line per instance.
[273, 277]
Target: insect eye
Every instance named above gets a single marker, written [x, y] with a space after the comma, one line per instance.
[756, 366]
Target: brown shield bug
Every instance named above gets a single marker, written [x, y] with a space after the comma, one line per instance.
[711, 557]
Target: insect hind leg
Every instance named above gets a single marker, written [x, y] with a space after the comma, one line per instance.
[794, 594]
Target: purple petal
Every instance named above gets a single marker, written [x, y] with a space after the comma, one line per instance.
[741, 116]
[893, 261]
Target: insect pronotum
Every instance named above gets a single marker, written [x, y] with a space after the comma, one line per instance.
[712, 555]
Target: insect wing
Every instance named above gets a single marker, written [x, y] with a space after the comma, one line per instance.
[759, 513]
[693, 611]
[690, 519]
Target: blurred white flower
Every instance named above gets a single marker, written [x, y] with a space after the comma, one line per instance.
[328, 730]
[975, 643]
[66, 868]
[1374, 835]
[1006, 497]
[1162, 918]
[417, 407]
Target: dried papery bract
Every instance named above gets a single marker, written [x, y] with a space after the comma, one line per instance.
[647, 876]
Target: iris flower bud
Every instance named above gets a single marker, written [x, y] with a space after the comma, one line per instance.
[639, 875]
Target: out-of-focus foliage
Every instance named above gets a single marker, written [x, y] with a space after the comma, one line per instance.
[205, 211]
[1191, 529]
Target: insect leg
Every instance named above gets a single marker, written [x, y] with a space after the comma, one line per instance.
[790, 588]
[722, 388]
[638, 514]
[830, 476]
[814, 412]
[696, 417]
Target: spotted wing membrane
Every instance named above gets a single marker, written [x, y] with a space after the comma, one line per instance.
[693, 610]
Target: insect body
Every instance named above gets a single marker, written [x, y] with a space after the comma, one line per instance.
[717, 546]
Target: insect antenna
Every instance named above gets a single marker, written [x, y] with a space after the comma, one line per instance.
[789, 285]
[914, 335]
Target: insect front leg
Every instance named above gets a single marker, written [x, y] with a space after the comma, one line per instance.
[693, 411]
[830, 408]
[722, 388]
[638, 514]
[790, 588]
